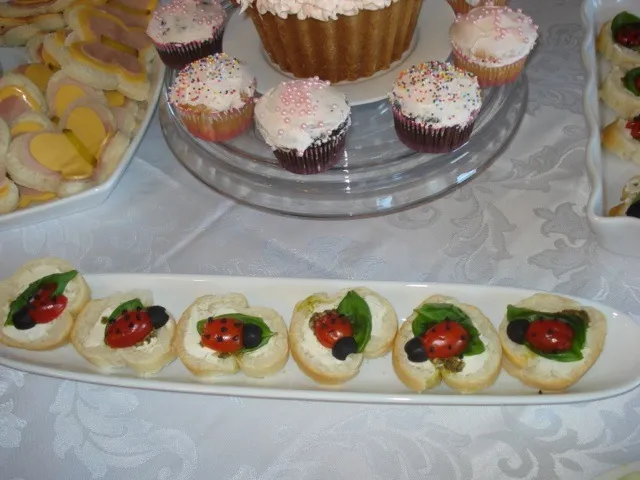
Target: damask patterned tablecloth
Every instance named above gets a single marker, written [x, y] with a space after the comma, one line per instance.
[521, 223]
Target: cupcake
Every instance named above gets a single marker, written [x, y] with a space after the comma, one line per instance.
[214, 97]
[493, 43]
[464, 6]
[305, 123]
[186, 30]
[434, 106]
[334, 41]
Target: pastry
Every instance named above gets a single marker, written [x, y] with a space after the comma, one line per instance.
[619, 40]
[620, 91]
[629, 200]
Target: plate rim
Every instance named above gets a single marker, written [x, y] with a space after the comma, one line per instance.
[192, 385]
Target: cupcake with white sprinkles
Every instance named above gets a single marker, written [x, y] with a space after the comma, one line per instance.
[305, 123]
[214, 97]
[434, 106]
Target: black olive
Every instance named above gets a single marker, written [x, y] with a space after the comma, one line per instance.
[634, 210]
[22, 320]
[344, 347]
[251, 335]
[517, 330]
[415, 350]
[158, 316]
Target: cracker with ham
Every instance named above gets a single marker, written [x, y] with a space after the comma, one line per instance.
[19, 95]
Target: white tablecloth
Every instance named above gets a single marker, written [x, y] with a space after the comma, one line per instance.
[521, 223]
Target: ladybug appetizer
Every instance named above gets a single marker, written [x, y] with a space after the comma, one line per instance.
[125, 330]
[444, 340]
[222, 334]
[630, 200]
[550, 342]
[331, 335]
[619, 40]
[622, 137]
[39, 302]
[620, 91]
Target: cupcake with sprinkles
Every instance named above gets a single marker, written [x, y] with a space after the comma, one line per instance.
[186, 30]
[493, 42]
[434, 106]
[305, 123]
[214, 97]
[465, 6]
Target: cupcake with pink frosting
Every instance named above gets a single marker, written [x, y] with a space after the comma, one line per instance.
[493, 43]
[186, 30]
[305, 123]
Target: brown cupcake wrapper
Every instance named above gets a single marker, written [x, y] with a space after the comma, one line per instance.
[308, 48]
[216, 126]
[316, 158]
[490, 76]
[426, 139]
[179, 55]
[462, 7]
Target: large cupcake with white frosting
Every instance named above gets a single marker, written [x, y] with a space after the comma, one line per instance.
[434, 106]
[214, 97]
[334, 40]
[305, 123]
[493, 43]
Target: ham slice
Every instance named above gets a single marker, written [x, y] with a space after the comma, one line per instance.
[19, 95]
[71, 91]
[12, 107]
[26, 158]
[133, 20]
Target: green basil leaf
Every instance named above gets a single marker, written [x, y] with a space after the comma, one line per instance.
[125, 307]
[431, 314]
[577, 319]
[631, 80]
[60, 280]
[356, 308]
[240, 317]
[622, 19]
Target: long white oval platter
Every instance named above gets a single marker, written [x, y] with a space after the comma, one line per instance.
[616, 371]
[11, 58]
[607, 173]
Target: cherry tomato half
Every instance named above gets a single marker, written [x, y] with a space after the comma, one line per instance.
[550, 336]
[44, 307]
[128, 329]
[330, 326]
[445, 340]
[223, 335]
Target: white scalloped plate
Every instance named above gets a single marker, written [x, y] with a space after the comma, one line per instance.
[11, 58]
[616, 371]
[607, 173]
[431, 42]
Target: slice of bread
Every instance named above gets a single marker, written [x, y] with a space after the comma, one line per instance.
[87, 337]
[542, 373]
[616, 96]
[208, 364]
[42, 336]
[425, 375]
[616, 137]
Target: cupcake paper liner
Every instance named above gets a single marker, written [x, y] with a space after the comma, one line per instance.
[462, 7]
[426, 139]
[179, 55]
[347, 48]
[490, 76]
[216, 126]
[316, 158]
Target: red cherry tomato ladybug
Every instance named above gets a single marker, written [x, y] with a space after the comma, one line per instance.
[634, 125]
[44, 307]
[445, 340]
[550, 336]
[223, 335]
[128, 329]
[330, 326]
[629, 35]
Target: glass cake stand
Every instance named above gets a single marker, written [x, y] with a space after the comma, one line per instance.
[378, 174]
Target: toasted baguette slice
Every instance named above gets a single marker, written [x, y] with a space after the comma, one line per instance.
[317, 361]
[20, 35]
[87, 337]
[206, 363]
[542, 373]
[616, 137]
[630, 192]
[617, 54]
[480, 371]
[615, 95]
[49, 335]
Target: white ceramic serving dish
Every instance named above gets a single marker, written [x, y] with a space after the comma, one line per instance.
[615, 371]
[607, 172]
[11, 58]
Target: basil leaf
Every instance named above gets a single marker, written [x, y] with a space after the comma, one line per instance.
[240, 317]
[431, 314]
[622, 19]
[631, 80]
[356, 308]
[60, 280]
[125, 307]
[578, 320]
